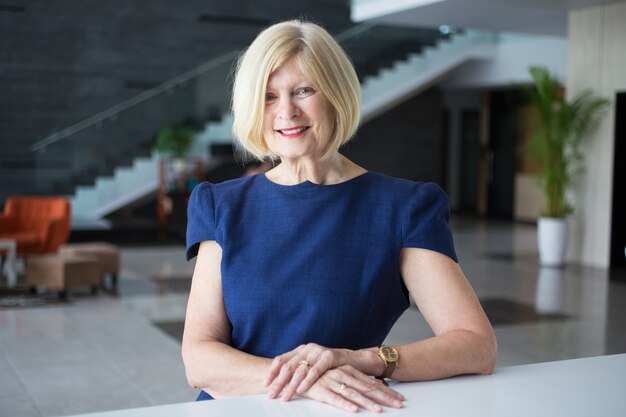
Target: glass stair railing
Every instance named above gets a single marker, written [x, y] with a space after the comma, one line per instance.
[122, 138]
[113, 138]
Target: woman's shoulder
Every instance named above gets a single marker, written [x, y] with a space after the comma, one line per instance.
[228, 187]
[404, 187]
[222, 194]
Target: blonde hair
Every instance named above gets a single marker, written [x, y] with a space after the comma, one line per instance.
[320, 59]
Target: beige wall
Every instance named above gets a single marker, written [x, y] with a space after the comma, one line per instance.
[528, 200]
[596, 61]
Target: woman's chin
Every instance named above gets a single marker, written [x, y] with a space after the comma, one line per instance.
[295, 153]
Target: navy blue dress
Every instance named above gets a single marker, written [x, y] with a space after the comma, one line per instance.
[312, 263]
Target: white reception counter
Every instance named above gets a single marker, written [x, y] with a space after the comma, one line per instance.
[579, 387]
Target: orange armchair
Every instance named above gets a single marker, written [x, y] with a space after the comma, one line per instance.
[37, 224]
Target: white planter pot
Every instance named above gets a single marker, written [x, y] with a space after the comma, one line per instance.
[552, 240]
[550, 290]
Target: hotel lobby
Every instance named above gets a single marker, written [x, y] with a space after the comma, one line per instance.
[97, 87]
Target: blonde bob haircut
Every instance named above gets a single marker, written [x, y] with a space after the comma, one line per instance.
[320, 59]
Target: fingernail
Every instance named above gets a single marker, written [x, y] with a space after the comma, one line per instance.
[397, 404]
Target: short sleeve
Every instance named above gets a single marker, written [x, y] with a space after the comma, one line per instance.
[200, 218]
[425, 221]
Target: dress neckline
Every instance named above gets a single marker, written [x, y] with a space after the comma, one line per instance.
[308, 184]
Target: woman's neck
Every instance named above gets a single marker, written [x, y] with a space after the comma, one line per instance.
[333, 169]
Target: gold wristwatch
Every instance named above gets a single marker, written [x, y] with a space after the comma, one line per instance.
[389, 356]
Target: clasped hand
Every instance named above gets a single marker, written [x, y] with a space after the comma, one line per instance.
[329, 376]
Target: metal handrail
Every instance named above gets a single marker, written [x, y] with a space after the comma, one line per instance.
[133, 101]
[353, 31]
[112, 112]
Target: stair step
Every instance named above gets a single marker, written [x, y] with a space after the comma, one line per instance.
[111, 148]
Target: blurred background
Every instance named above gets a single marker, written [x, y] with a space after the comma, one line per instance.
[121, 108]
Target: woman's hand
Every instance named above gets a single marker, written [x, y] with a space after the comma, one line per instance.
[296, 371]
[349, 389]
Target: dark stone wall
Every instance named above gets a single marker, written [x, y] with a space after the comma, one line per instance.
[407, 142]
[65, 60]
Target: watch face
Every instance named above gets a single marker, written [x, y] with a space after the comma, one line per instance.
[390, 353]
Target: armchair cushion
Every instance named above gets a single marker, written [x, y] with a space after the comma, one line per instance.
[37, 224]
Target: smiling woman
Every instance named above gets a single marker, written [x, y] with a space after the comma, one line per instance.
[302, 271]
[316, 67]
[298, 121]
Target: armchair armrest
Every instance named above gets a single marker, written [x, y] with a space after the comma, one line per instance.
[56, 233]
[7, 223]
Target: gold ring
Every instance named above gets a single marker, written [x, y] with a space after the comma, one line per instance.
[304, 363]
[342, 387]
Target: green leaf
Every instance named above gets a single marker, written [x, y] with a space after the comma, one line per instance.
[555, 145]
[175, 140]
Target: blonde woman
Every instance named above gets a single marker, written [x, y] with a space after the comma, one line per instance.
[303, 270]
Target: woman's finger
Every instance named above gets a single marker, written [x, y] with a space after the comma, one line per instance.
[342, 396]
[291, 375]
[283, 367]
[370, 388]
[277, 364]
[290, 389]
[353, 395]
[324, 393]
[321, 363]
[376, 391]
[342, 403]
[283, 378]
[273, 372]
[349, 389]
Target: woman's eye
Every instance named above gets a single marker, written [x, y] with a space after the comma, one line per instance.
[269, 97]
[305, 91]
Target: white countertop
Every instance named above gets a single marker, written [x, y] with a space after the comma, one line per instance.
[579, 387]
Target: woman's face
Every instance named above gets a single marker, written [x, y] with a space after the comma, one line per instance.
[297, 123]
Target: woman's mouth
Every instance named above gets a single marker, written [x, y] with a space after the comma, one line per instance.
[293, 132]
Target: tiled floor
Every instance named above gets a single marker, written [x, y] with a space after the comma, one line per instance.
[113, 352]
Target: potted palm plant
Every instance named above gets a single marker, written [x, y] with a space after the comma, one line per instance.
[555, 148]
[173, 143]
[175, 140]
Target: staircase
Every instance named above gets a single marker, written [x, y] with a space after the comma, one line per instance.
[420, 71]
[107, 161]
[129, 184]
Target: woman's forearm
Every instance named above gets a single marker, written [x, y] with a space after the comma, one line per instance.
[453, 353]
[223, 371]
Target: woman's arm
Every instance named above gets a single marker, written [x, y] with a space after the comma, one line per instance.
[210, 362]
[464, 341]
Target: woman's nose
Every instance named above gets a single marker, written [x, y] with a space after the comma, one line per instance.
[288, 109]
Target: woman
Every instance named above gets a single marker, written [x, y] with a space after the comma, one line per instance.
[302, 271]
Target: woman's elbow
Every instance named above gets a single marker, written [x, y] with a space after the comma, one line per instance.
[192, 378]
[489, 354]
[191, 368]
